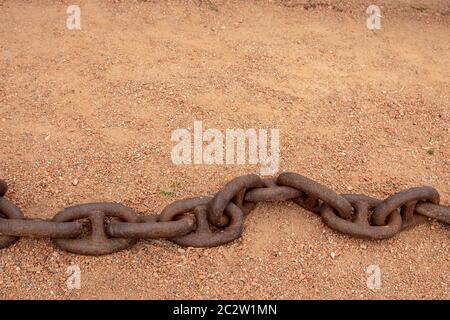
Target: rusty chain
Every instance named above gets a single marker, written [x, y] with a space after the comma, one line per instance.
[103, 228]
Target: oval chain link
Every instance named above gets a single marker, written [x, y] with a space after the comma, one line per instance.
[229, 192]
[406, 201]
[97, 241]
[204, 234]
[312, 192]
[359, 226]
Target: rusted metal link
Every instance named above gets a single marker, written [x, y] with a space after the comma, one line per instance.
[97, 241]
[9, 211]
[225, 196]
[39, 228]
[203, 236]
[272, 192]
[360, 226]
[313, 192]
[180, 207]
[406, 201]
[149, 228]
[438, 212]
[244, 205]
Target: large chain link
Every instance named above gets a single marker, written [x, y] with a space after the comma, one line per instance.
[103, 228]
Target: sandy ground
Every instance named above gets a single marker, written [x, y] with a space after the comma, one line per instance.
[87, 116]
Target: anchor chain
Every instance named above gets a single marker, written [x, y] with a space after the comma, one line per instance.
[104, 228]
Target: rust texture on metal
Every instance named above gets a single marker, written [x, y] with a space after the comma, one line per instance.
[151, 229]
[39, 228]
[97, 242]
[313, 192]
[359, 226]
[9, 211]
[272, 192]
[208, 221]
[232, 189]
[434, 211]
[406, 201]
[204, 236]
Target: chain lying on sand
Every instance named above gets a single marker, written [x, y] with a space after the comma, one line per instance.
[103, 228]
